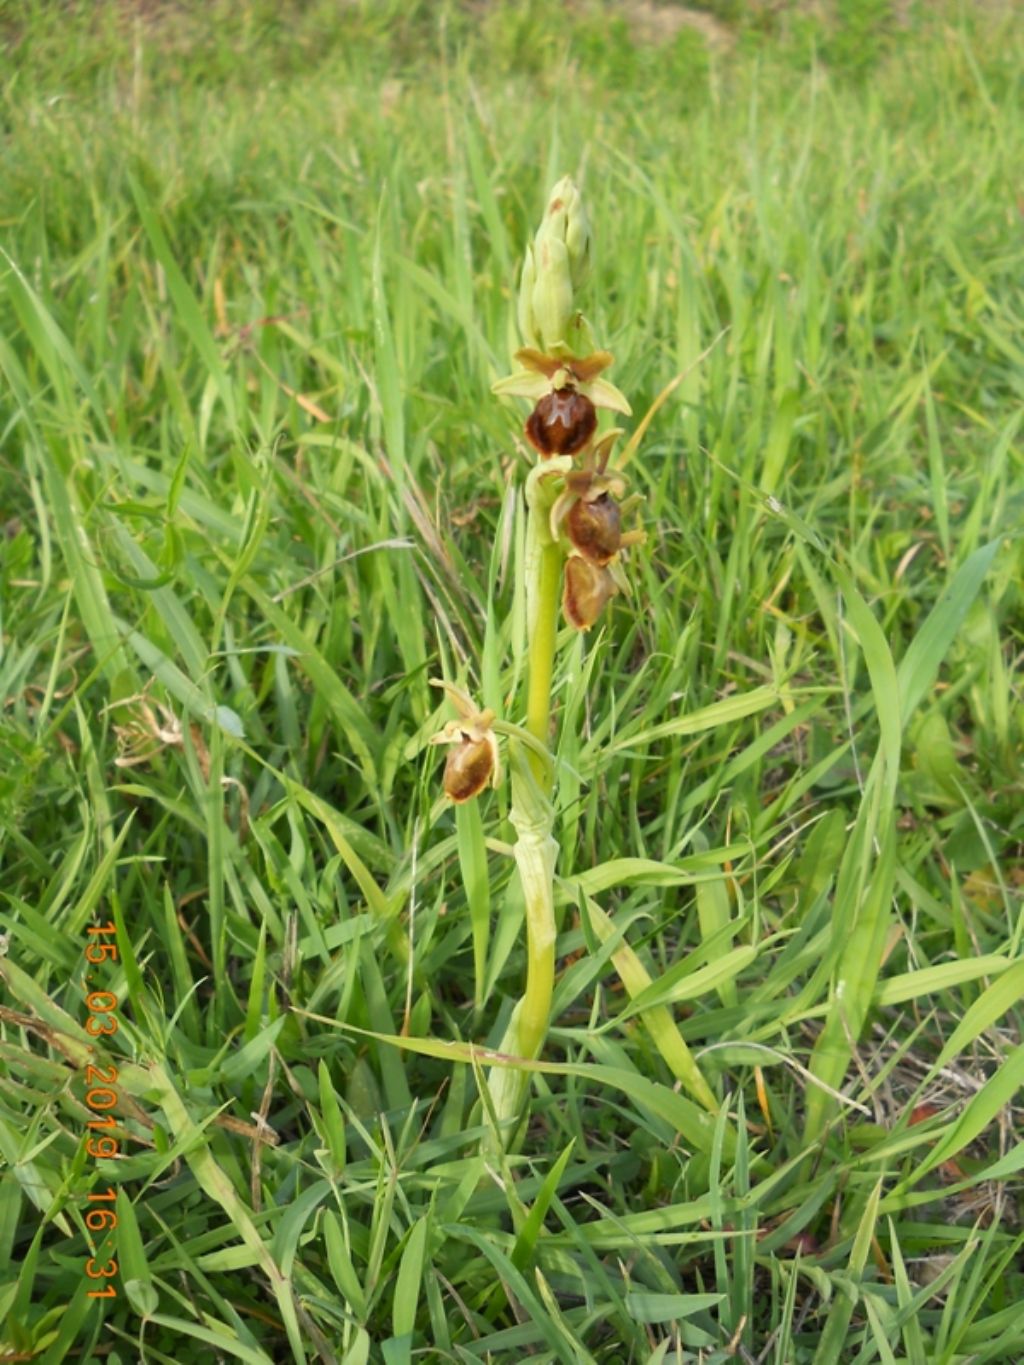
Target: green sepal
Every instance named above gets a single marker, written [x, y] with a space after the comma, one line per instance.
[605, 395]
[522, 384]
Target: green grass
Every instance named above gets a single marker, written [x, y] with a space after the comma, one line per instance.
[258, 278]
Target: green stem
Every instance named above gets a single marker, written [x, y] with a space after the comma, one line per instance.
[543, 632]
[532, 816]
[536, 853]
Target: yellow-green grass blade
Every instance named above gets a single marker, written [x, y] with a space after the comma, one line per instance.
[656, 1016]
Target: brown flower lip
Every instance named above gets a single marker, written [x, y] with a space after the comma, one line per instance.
[562, 422]
[468, 769]
[474, 761]
[594, 527]
[587, 589]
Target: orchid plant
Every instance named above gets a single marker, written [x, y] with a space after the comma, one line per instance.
[576, 507]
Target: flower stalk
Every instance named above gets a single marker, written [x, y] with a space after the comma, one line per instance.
[566, 389]
[543, 569]
[533, 817]
[572, 562]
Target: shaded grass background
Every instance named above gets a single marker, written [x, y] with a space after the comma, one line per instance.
[257, 282]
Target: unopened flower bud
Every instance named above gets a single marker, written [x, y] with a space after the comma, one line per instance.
[469, 768]
[555, 269]
[587, 589]
[595, 528]
[567, 197]
[552, 292]
[524, 307]
[562, 422]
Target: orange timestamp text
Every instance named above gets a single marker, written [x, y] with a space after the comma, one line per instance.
[100, 1099]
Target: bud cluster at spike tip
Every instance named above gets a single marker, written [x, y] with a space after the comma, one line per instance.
[556, 267]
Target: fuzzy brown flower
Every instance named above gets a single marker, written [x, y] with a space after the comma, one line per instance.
[474, 762]
[586, 590]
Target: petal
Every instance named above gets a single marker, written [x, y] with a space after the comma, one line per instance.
[587, 367]
[531, 359]
[451, 734]
[603, 449]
